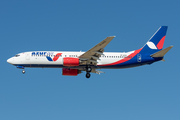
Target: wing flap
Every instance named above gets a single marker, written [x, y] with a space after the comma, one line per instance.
[94, 53]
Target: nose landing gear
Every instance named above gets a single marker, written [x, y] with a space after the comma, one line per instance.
[23, 71]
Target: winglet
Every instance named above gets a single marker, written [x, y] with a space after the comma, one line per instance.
[112, 36]
[162, 52]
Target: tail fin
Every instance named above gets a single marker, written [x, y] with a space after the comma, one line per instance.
[156, 42]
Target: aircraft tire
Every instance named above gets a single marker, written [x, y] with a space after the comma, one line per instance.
[23, 71]
[88, 75]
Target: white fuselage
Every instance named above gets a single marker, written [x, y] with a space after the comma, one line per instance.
[35, 58]
[72, 63]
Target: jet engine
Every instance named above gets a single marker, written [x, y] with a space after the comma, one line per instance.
[70, 72]
[69, 61]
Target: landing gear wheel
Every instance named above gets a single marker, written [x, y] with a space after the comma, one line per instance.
[23, 71]
[88, 69]
[88, 75]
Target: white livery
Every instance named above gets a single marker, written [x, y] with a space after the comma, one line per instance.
[72, 63]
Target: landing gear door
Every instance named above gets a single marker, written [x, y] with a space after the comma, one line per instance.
[138, 57]
[27, 55]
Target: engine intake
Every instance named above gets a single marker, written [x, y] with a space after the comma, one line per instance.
[69, 61]
[70, 72]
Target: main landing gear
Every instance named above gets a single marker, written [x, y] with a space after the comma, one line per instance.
[88, 70]
[88, 75]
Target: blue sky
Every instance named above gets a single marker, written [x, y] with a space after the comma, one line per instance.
[146, 92]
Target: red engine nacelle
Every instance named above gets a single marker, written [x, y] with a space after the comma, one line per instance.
[70, 72]
[69, 61]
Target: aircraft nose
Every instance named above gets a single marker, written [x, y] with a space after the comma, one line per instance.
[10, 60]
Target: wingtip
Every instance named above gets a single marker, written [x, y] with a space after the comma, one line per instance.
[171, 46]
[112, 36]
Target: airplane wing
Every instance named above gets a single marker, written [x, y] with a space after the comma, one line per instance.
[91, 56]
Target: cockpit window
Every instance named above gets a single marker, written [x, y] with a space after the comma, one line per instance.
[17, 55]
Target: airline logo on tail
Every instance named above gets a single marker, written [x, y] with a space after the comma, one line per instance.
[161, 43]
[156, 42]
[159, 46]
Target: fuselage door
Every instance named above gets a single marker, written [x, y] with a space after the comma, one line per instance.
[27, 56]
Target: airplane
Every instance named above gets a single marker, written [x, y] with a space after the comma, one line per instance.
[73, 63]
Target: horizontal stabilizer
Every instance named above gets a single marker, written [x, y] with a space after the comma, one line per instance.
[162, 52]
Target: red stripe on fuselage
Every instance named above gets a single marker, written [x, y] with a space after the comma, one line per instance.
[125, 59]
[161, 43]
[57, 56]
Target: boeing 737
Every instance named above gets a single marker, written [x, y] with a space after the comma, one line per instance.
[73, 63]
